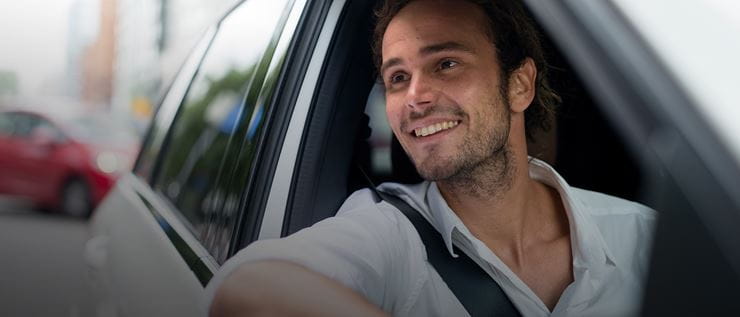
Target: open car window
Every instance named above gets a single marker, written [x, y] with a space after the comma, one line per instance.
[585, 145]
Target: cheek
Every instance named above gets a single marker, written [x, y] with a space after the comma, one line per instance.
[485, 113]
[393, 113]
[466, 90]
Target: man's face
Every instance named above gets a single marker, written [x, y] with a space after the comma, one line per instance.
[443, 89]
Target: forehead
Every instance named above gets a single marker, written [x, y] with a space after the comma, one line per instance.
[425, 21]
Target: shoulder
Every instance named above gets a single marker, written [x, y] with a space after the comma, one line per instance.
[627, 227]
[365, 205]
[378, 222]
[599, 205]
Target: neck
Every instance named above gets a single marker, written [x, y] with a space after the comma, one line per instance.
[492, 193]
[503, 207]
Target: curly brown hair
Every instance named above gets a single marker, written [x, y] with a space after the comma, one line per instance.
[515, 38]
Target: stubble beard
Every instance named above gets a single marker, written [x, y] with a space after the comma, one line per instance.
[482, 166]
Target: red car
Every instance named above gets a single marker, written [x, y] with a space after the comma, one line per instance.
[62, 162]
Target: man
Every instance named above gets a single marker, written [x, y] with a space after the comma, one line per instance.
[464, 86]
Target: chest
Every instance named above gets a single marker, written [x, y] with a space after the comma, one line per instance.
[424, 292]
[617, 296]
[546, 269]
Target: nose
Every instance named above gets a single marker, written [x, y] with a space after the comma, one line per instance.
[420, 93]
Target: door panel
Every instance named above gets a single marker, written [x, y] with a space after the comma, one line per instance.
[136, 256]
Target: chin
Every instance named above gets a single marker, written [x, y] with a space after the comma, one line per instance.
[434, 169]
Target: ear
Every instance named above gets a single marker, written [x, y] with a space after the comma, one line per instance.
[521, 86]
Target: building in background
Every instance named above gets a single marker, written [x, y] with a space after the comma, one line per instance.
[84, 21]
[153, 38]
[137, 73]
[97, 59]
[121, 54]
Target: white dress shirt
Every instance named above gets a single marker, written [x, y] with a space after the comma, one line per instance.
[374, 249]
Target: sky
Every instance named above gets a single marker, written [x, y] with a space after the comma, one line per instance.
[33, 40]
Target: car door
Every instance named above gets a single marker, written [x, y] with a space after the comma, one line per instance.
[160, 234]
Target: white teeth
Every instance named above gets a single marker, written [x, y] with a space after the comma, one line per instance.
[434, 128]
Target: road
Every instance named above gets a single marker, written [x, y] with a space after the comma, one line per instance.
[42, 271]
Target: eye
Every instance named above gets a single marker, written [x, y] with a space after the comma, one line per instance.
[447, 64]
[397, 78]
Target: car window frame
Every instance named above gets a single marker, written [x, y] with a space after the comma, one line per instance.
[288, 141]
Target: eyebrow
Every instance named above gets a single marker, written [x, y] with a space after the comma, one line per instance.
[428, 50]
[442, 47]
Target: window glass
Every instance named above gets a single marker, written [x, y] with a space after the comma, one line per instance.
[24, 124]
[6, 125]
[214, 108]
[166, 112]
[229, 197]
[233, 187]
[46, 129]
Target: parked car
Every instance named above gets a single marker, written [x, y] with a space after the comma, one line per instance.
[261, 132]
[66, 162]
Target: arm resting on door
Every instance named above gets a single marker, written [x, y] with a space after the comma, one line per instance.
[280, 288]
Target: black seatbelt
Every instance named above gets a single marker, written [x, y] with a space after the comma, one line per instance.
[473, 287]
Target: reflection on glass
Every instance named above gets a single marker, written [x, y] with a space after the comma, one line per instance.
[213, 110]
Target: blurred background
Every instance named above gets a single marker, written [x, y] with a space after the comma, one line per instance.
[79, 81]
[113, 56]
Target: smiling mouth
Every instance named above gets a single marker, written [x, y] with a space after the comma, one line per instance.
[435, 128]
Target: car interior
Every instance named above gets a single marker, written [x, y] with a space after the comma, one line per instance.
[347, 133]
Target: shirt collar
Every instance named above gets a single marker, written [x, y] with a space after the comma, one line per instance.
[587, 242]
[589, 248]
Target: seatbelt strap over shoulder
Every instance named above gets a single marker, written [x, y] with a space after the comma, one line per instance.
[473, 287]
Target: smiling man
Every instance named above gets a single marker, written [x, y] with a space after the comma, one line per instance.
[465, 85]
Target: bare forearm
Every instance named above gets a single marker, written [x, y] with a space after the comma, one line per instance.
[277, 288]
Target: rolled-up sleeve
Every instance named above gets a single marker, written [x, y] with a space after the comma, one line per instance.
[357, 248]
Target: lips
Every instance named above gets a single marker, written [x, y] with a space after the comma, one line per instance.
[434, 128]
